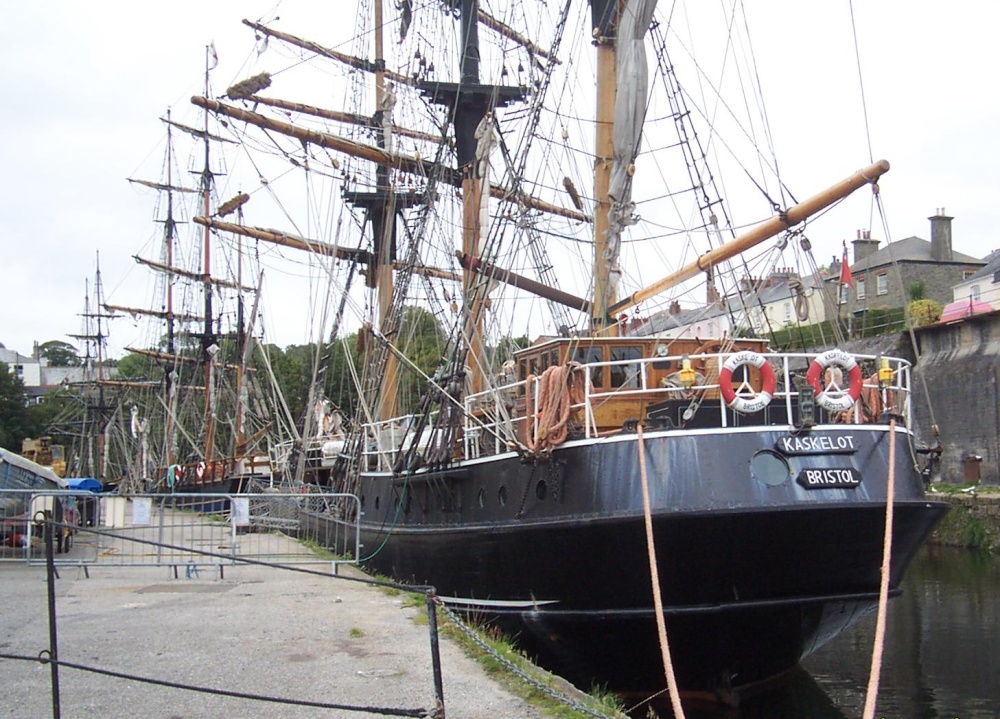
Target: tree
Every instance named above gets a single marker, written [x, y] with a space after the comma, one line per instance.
[59, 354]
[14, 420]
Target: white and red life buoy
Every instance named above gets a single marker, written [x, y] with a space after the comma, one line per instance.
[742, 403]
[199, 470]
[836, 400]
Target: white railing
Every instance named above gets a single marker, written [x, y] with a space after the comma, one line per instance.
[491, 427]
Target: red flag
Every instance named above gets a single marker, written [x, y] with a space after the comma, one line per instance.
[845, 270]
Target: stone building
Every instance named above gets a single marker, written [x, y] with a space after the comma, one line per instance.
[883, 276]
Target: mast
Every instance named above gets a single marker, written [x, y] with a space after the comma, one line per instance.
[384, 226]
[168, 241]
[471, 105]
[604, 14]
[208, 346]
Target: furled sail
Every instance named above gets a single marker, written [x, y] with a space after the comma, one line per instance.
[630, 111]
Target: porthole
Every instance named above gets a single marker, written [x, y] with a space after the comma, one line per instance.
[541, 489]
[502, 495]
[770, 468]
[376, 503]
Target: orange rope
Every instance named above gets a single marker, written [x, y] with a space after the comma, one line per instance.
[558, 390]
[883, 590]
[661, 623]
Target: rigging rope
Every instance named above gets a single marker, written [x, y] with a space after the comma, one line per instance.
[661, 624]
[883, 592]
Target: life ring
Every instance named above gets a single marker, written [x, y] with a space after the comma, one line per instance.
[843, 400]
[199, 470]
[760, 400]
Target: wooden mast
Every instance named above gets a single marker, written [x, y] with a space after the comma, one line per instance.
[208, 346]
[385, 230]
[472, 198]
[605, 20]
[168, 240]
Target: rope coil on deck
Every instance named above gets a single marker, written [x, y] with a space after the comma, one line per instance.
[559, 388]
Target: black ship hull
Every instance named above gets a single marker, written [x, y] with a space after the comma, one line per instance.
[755, 573]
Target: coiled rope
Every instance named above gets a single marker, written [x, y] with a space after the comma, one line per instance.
[558, 389]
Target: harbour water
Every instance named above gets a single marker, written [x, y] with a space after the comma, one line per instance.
[941, 660]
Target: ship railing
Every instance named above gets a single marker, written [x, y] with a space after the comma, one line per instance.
[491, 423]
[789, 368]
[384, 439]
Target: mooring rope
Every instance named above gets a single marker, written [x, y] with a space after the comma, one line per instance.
[661, 623]
[883, 590]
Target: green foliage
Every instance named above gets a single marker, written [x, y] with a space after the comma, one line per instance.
[975, 535]
[422, 340]
[15, 423]
[924, 312]
[135, 367]
[293, 371]
[59, 354]
[872, 324]
[916, 290]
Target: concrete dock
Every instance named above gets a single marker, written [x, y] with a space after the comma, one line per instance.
[257, 630]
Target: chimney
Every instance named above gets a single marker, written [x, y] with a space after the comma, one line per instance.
[864, 245]
[675, 307]
[941, 236]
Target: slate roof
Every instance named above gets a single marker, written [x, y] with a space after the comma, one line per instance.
[912, 249]
[991, 267]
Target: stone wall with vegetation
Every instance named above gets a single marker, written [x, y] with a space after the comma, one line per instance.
[973, 522]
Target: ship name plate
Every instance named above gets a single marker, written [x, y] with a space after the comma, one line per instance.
[817, 444]
[829, 478]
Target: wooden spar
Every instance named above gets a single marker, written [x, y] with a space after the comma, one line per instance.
[174, 358]
[351, 118]
[765, 230]
[200, 134]
[306, 245]
[362, 64]
[142, 385]
[162, 186]
[349, 60]
[153, 313]
[404, 163]
[511, 34]
[276, 237]
[514, 280]
[190, 275]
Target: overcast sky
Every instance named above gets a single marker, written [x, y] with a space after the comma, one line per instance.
[82, 86]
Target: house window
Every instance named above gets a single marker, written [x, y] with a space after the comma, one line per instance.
[861, 289]
[966, 274]
[882, 284]
[788, 312]
[842, 300]
[19, 370]
[974, 292]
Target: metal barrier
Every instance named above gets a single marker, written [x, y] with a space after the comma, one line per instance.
[72, 510]
[189, 531]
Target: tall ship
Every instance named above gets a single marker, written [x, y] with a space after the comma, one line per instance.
[525, 199]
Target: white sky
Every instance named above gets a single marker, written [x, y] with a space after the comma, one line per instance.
[82, 86]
